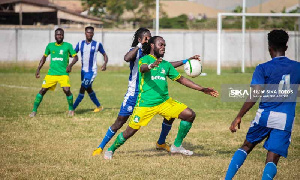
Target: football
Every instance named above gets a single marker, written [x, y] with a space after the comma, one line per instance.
[193, 68]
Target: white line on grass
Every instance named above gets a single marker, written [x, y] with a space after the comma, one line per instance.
[20, 87]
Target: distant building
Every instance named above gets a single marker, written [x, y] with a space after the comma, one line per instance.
[41, 12]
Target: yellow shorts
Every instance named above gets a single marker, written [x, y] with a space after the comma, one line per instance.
[50, 81]
[142, 115]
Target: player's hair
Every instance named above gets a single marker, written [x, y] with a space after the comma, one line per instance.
[59, 29]
[138, 34]
[147, 45]
[89, 27]
[277, 39]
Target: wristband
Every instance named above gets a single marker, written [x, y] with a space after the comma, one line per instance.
[149, 66]
[184, 61]
[140, 45]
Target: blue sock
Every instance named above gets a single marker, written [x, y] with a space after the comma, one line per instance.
[94, 99]
[236, 162]
[109, 134]
[269, 171]
[78, 100]
[165, 129]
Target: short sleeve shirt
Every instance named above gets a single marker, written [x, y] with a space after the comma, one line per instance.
[59, 59]
[153, 85]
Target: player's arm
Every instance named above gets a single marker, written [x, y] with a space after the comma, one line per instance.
[103, 68]
[147, 67]
[248, 104]
[42, 62]
[131, 55]
[69, 67]
[182, 62]
[188, 83]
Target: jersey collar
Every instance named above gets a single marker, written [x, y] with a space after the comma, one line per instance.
[279, 57]
[153, 57]
[59, 44]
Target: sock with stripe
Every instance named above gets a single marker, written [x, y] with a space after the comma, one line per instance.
[94, 99]
[109, 134]
[78, 100]
[236, 162]
[270, 171]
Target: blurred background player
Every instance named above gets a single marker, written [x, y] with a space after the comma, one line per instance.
[141, 36]
[153, 97]
[88, 49]
[273, 120]
[58, 72]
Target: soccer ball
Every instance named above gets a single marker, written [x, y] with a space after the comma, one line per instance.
[193, 68]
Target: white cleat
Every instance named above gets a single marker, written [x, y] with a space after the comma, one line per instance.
[180, 150]
[108, 155]
[32, 114]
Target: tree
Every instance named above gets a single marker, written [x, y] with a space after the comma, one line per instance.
[95, 7]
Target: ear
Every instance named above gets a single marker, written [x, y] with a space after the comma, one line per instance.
[286, 47]
[139, 39]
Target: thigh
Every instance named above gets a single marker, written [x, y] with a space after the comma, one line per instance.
[278, 142]
[141, 116]
[88, 79]
[257, 133]
[128, 105]
[64, 81]
[171, 109]
[50, 82]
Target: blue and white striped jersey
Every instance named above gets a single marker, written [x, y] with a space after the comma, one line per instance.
[277, 115]
[89, 54]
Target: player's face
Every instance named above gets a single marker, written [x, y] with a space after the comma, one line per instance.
[145, 37]
[89, 33]
[159, 47]
[59, 36]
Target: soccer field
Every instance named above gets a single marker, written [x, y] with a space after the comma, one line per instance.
[53, 146]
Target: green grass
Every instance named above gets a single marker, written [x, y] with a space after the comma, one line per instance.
[53, 146]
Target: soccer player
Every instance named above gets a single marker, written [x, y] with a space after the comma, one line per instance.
[58, 72]
[88, 49]
[273, 120]
[154, 98]
[141, 36]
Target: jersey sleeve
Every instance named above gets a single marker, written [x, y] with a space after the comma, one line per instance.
[47, 51]
[72, 51]
[143, 60]
[173, 74]
[77, 47]
[258, 76]
[101, 49]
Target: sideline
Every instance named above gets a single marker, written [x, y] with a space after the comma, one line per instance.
[20, 87]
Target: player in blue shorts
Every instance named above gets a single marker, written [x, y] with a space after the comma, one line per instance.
[273, 120]
[141, 36]
[88, 49]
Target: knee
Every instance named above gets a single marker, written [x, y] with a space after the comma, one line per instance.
[67, 91]
[43, 91]
[191, 115]
[118, 124]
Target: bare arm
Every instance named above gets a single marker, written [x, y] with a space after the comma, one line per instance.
[69, 68]
[180, 63]
[188, 83]
[130, 56]
[42, 62]
[103, 68]
[145, 67]
[245, 108]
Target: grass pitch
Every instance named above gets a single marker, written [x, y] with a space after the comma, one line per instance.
[53, 146]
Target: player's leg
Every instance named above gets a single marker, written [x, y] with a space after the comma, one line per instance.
[255, 135]
[94, 98]
[165, 129]
[120, 140]
[110, 133]
[79, 97]
[69, 96]
[270, 169]
[38, 99]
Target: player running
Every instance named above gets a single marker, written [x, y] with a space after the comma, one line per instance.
[141, 36]
[58, 72]
[88, 49]
[273, 120]
[153, 97]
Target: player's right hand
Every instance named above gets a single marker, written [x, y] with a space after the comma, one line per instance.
[157, 62]
[69, 69]
[37, 74]
[237, 121]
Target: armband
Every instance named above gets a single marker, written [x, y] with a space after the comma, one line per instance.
[184, 61]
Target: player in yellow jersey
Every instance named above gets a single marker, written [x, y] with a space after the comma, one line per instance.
[58, 72]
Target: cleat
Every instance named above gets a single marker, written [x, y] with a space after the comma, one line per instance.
[97, 151]
[164, 146]
[98, 109]
[71, 113]
[108, 155]
[180, 150]
[32, 114]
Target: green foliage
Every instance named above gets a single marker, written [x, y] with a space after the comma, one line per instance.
[179, 22]
[94, 7]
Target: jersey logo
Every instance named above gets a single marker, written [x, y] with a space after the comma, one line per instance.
[136, 119]
[61, 52]
[163, 71]
[93, 47]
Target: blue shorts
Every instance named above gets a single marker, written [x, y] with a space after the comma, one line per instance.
[128, 105]
[87, 78]
[277, 141]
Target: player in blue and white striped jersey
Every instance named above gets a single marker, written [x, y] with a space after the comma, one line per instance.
[273, 120]
[88, 49]
[141, 36]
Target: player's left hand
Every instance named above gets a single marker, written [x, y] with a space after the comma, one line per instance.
[196, 57]
[237, 121]
[210, 91]
[103, 68]
[69, 69]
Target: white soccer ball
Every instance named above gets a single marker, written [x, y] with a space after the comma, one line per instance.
[193, 68]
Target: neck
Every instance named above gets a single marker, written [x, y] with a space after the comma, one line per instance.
[153, 54]
[88, 41]
[278, 54]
